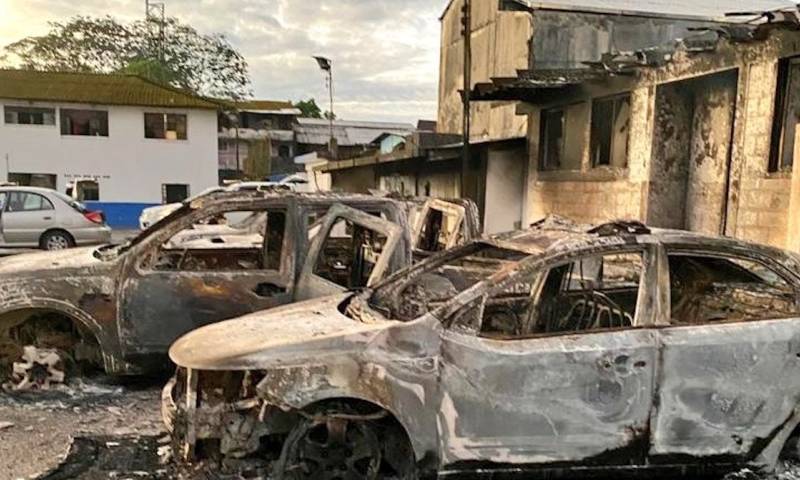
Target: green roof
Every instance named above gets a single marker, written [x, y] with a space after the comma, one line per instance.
[267, 105]
[99, 89]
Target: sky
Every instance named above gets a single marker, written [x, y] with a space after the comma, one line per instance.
[385, 52]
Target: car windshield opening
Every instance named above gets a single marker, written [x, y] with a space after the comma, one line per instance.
[411, 297]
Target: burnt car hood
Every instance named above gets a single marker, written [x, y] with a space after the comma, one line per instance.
[32, 263]
[274, 338]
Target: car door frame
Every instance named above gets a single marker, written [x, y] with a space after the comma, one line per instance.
[690, 401]
[464, 342]
[465, 223]
[133, 272]
[309, 285]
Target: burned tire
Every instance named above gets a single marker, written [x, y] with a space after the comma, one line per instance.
[56, 240]
[340, 446]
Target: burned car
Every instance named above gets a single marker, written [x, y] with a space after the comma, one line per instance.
[120, 307]
[559, 347]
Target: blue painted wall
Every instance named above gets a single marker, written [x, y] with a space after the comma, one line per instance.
[121, 215]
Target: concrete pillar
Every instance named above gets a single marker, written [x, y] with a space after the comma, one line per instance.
[793, 232]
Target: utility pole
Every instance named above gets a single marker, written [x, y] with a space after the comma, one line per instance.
[466, 22]
[326, 65]
[155, 14]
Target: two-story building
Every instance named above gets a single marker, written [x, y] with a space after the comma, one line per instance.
[679, 114]
[128, 142]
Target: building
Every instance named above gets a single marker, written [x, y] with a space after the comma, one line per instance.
[127, 142]
[495, 176]
[256, 139]
[673, 115]
[353, 138]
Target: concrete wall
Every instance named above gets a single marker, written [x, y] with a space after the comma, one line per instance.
[130, 168]
[582, 192]
[505, 182]
[354, 180]
[694, 160]
[500, 43]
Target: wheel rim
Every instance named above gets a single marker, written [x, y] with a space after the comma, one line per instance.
[337, 450]
[57, 242]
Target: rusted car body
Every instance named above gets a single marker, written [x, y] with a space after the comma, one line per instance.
[122, 306]
[559, 347]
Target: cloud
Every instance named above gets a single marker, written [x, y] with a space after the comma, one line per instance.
[385, 52]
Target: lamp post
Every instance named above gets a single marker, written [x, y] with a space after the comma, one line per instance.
[234, 119]
[326, 65]
[466, 32]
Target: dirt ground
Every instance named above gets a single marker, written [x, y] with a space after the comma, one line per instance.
[43, 425]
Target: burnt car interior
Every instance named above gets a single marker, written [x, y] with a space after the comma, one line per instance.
[712, 289]
[232, 241]
[349, 254]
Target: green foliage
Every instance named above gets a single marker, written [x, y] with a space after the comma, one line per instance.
[205, 64]
[309, 108]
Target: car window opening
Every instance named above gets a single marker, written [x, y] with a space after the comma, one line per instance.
[349, 254]
[707, 289]
[230, 241]
[443, 281]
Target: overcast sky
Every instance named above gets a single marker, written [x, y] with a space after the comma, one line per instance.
[385, 52]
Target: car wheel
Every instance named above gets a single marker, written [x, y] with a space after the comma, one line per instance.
[57, 240]
[330, 448]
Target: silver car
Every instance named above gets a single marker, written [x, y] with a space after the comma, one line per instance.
[32, 217]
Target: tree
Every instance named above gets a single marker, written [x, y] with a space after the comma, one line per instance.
[204, 64]
[309, 108]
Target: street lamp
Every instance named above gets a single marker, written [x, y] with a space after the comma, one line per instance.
[326, 65]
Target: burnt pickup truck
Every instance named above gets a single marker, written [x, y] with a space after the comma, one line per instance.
[220, 256]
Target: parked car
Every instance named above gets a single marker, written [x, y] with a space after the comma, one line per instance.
[32, 217]
[122, 306]
[615, 348]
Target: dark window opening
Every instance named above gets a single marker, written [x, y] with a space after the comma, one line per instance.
[276, 231]
[43, 180]
[174, 192]
[166, 126]
[787, 115]
[609, 131]
[284, 151]
[551, 151]
[349, 254]
[593, 293]
[87, 190]
[29, 116]
[712, 289]
[91, 123]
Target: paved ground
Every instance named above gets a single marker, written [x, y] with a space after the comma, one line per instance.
[36, 429]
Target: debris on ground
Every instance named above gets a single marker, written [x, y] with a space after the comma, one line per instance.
[5, 425]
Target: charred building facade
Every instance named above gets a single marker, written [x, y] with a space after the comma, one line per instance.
[680, 121]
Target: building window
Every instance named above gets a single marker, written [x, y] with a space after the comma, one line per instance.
[29, 116]
[166, 126]
[43, 180]
[174, 192]
[610, 127]
[90, 123]
[551, 151]
[787, 112]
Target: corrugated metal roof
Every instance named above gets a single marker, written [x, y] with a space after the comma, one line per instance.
[315, 131]
[94, 89]
[708, 9]
[713, 9]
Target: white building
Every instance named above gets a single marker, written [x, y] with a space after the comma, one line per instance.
[137, 143]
